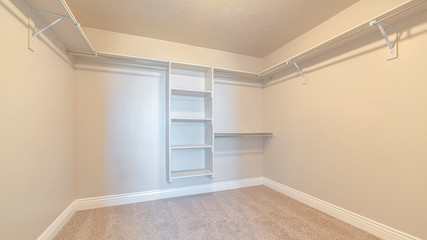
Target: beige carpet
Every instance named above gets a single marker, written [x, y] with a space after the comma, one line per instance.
[248, 213]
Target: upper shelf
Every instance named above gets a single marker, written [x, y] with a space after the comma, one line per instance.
[409, 8]
[76, 42]
[189, 67]
[223, 72]
[68, 30]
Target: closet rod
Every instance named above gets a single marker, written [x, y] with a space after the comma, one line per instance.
[120, 57]
[338, 38]
[360, 28]
[77, 25]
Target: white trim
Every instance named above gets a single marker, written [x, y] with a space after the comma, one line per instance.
[369, 225]
[120, 199]
[59, 222]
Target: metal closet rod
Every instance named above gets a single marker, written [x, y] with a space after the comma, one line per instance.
[328, 44]
[120, 57]
[77, 25]
[155, 61]
[261, 74]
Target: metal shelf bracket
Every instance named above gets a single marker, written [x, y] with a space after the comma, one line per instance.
[301, 73]
[35, 34]
[383, 32]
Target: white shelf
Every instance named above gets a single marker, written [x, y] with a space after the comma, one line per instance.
[177, 119]
[190, 92]
[191, 173]
[190, 133]
[243, 134]
[190, 146]
[266, 135]
[190, 67]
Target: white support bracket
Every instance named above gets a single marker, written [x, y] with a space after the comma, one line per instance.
[301, 73]
[383, 32]
[35, 34]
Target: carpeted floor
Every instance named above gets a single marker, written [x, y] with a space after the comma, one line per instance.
[247, 213]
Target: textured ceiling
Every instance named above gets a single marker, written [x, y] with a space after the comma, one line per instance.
[249, 27]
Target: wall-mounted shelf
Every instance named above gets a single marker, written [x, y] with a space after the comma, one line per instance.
[236, 74]
[244, 134]
[77, 43]
[347, 36]
[69, 30]
[268, 135]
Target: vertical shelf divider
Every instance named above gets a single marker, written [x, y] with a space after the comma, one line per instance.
[168, 125]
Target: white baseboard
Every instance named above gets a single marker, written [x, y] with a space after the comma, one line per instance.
[59, 222]
[354, 219]
[120, 199]
[369, 225]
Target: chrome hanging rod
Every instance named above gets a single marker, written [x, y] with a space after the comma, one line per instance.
[333, 41]
[77, 25]
[297, 57]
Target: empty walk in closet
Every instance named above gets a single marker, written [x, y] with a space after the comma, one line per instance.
[215, 119]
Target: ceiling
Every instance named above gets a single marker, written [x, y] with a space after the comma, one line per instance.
[249, 27]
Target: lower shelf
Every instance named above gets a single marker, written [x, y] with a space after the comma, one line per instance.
[191, 173]
[191, 146]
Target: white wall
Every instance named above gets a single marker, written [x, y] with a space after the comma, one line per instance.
[120, 131]
[36, 129]
[356, 134]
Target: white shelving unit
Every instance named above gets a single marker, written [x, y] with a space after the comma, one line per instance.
[190, 131]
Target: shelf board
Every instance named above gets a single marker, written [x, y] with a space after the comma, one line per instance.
[191, 173]
[190, 67]
[190, 92]
[195, 146]
[177, 119]
[224, 72]
[243, 134]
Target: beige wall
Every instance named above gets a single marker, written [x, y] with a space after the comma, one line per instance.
[120, 131]
[36, 129]
[119, 43]
[356, 134]
[360, 12]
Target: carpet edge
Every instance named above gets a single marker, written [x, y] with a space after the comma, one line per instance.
[364, 223]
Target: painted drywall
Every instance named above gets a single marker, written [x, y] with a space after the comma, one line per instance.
[36, 129]
[112, 42]
[355, 135]
[358, 13]
[120, 131]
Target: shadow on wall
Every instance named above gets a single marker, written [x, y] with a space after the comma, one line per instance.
[52, 42]
[135, 131]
